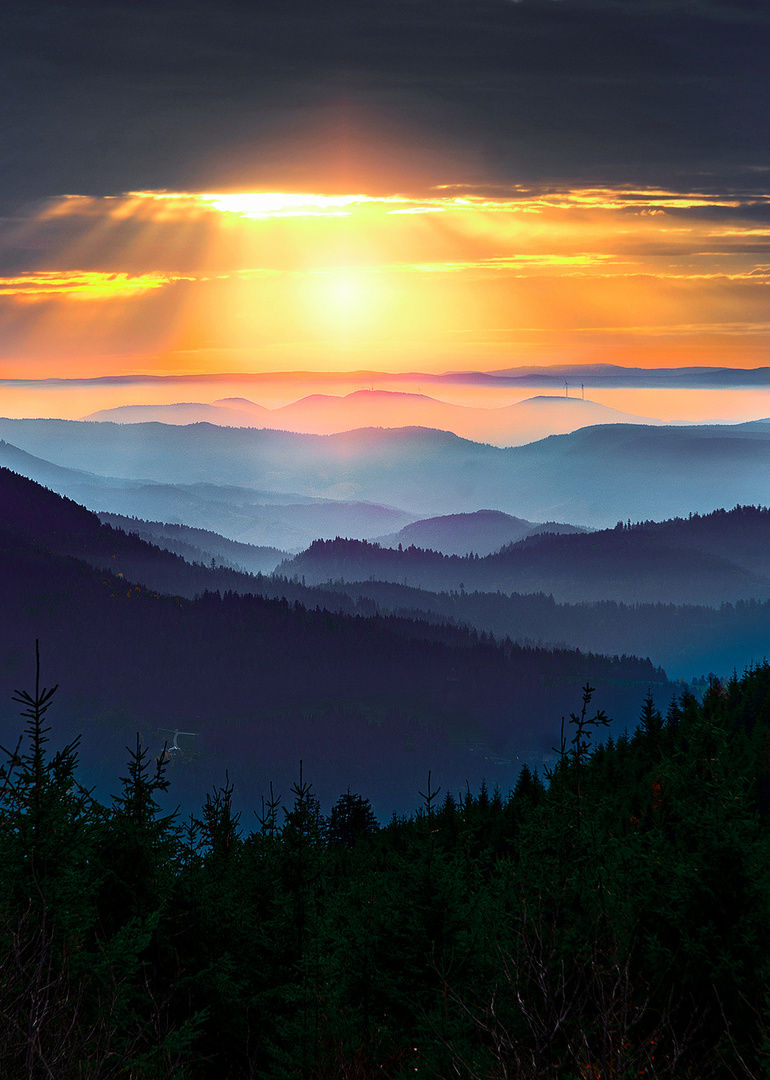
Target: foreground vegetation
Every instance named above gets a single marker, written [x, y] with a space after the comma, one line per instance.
[607, 921]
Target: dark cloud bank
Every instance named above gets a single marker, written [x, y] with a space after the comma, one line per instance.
[101, 99]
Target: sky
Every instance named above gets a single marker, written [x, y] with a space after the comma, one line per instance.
[406, 186]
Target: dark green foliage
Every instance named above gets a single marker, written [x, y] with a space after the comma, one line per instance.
[609, 923]
[82, 908]
[351, 818]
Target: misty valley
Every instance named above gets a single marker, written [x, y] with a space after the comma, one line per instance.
[384, 752]
[385, 540]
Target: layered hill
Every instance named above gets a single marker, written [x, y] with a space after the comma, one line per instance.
[199, 545]
[686, 640]
[368, 701]
[700, 560]
[329, 414]
[233, 412]
[267, 519]
[594, 476]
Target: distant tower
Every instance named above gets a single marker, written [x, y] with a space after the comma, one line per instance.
[582, 392]
[566, 388]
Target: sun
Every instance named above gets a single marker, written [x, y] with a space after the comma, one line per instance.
[345, 297]
[346, 291]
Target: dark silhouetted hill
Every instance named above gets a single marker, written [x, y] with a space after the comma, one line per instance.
[371, 701]
[699, 560]
[480, 533]
[199, 545]
[687, 640]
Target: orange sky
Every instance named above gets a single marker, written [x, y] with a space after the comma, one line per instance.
[167, 283]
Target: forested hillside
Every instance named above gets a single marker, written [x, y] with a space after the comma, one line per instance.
[704, 559]
[479, 533]
[263, 681]
[686, 639]
[606, 919]
[199, 545]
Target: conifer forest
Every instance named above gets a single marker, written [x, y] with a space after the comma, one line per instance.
[385, 540]
[607, 919]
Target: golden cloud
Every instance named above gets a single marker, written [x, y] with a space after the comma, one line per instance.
[82, 284]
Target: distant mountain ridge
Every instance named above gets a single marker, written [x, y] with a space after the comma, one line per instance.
[533, 375]
[592, 477]
[284, 521]
[324, 414]
[616, 375]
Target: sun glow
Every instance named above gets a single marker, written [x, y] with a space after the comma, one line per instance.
[345, 291]
[256, 205]
[269, 279]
